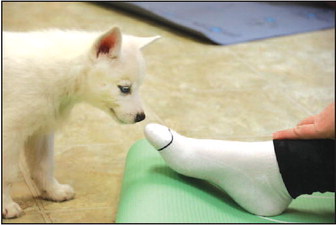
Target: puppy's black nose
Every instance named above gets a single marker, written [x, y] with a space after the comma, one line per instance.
[140, 117]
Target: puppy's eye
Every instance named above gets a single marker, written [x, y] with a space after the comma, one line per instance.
[125, 89]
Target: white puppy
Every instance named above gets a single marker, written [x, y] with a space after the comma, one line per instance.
[45, 74]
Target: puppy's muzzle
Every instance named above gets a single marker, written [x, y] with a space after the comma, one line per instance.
[139, 117]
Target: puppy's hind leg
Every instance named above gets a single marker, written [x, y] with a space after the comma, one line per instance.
[40, 159]
[12, 146]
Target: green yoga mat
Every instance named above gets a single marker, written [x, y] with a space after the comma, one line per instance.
[154, 193]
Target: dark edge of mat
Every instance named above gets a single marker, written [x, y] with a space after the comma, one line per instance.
[142, 12]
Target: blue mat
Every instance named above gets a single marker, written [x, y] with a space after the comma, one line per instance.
[227, 23]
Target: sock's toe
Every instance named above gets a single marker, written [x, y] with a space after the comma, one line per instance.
[159, 136]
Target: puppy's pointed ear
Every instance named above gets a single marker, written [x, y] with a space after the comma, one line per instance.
[108, 44]
[144, 41]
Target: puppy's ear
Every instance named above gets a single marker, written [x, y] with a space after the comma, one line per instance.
[108, 44]
[144, 41]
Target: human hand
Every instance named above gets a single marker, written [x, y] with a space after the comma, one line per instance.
[321, 126]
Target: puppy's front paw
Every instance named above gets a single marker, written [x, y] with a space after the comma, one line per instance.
[11, 210]
[58, 193]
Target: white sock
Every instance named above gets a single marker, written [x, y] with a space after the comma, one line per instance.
[247, 171]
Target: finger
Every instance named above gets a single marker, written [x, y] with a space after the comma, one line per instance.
[300, 132]
[307, 131]
[284, 134]
[308, 120]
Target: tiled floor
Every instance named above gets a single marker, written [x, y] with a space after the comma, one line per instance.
[238, 92]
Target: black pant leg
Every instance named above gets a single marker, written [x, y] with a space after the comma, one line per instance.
[306, 166]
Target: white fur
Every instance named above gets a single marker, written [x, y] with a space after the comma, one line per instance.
[45, 74]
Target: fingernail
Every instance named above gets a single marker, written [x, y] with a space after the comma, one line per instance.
[274, 135]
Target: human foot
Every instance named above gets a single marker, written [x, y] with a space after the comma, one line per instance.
[247, 171]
